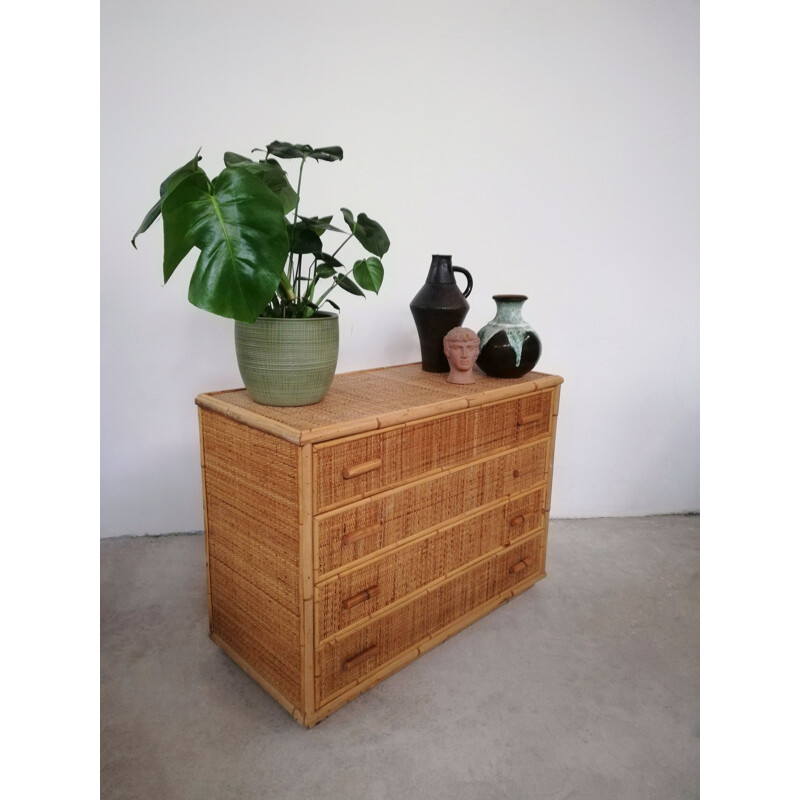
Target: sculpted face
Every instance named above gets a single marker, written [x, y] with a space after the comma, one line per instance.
[461, 347]
[461, 355]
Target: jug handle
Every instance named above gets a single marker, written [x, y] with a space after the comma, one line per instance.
[469, 280]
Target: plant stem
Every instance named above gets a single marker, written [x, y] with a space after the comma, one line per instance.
[294, 222]
[342, 245]
[332, 286]
[287, 287]
[299, 274]
[308, 296]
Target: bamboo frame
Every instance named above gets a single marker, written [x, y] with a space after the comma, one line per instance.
[491, 545]
[550, 462]
[205, 521]
[305, 475]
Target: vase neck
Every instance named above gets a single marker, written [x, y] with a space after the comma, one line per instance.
[441, 270]
[509, 308]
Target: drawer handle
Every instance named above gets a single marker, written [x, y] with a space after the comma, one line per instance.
[517, 473]
[361, 469]
[521, 519]
[360, 658]
[361, 597]
[357, 536]
[526, 420]
[521, 565]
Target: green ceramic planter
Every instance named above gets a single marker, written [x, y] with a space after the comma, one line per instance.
[288, 362]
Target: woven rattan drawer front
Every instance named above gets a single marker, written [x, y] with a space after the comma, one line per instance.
[348, 660]
[520, 562]
[454, 598]
[359, 466]
[450, 601]
[383, 580]
[363, 528]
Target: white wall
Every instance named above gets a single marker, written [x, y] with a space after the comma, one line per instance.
[550, 145]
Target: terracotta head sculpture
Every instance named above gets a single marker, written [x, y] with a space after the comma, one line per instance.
[461, 347]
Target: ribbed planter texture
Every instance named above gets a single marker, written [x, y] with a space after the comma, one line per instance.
[288, 362]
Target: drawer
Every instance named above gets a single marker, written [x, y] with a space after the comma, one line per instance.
[342, 537]
[361, 592]
[454, 598]
[520, 562]
[359, 466]
[349, 659]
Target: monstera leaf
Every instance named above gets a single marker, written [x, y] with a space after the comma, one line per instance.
[269, 171]
[287, 150]
[167, 185]
[238, 225]
[320, 224]
[368, 273]
[329, 260]
[303, 238]
[369, 232]
[348, 285]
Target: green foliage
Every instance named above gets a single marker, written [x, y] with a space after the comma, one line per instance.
[369, 273]
[253, 241]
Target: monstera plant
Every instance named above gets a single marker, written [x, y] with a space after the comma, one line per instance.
[261, 261]
[251, 253]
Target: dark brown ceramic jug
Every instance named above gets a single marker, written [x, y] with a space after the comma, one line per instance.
[438, 307]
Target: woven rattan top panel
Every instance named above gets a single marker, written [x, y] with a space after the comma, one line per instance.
[372, 399]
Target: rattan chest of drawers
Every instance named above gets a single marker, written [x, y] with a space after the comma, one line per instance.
[345, 539]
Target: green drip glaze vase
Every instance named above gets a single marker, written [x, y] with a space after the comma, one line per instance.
[510, 348]
[288, 362]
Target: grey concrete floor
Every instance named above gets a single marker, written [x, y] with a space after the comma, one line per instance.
[586, 686]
